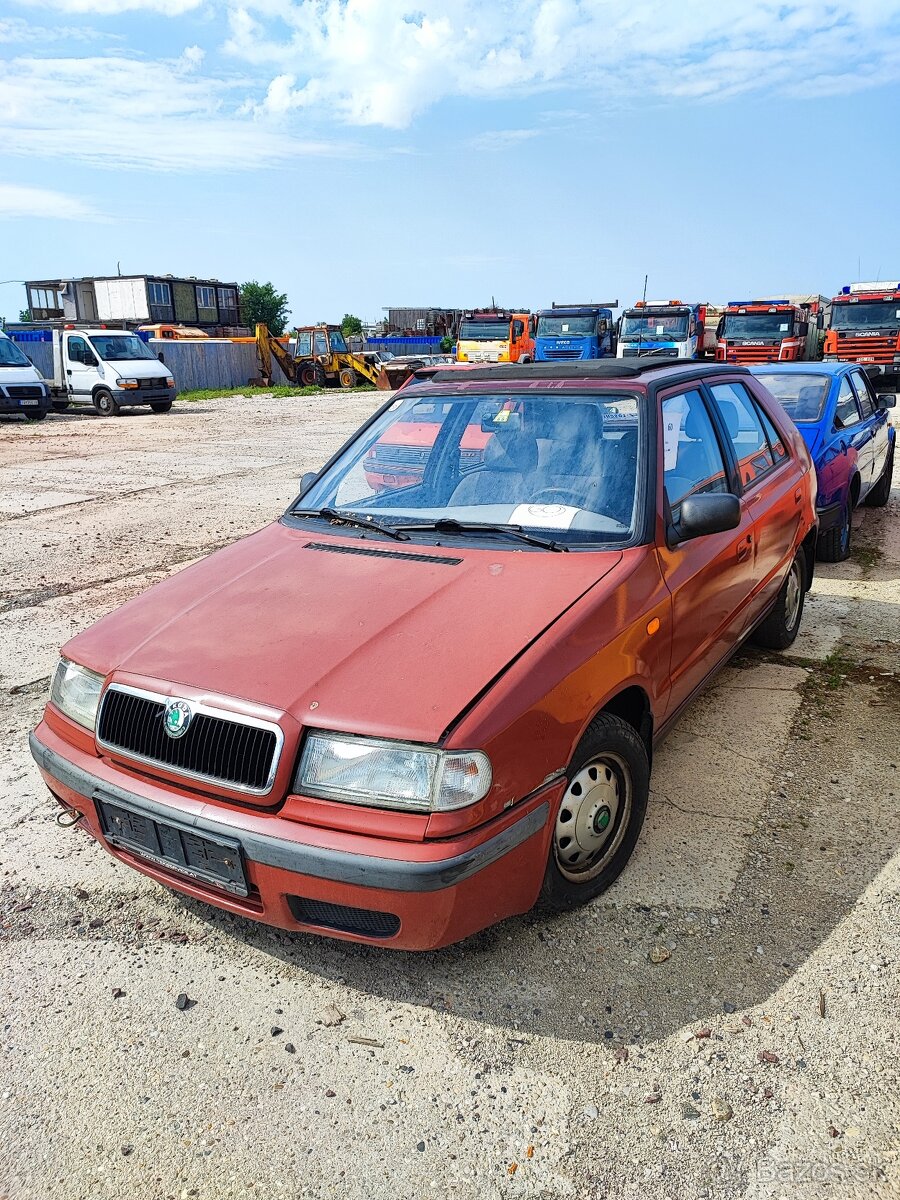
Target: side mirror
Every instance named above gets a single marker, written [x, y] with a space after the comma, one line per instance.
[161, 357]
[886, 400]
[307, 479]
[714, 512]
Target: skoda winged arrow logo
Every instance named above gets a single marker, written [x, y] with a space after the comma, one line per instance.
[177, 717]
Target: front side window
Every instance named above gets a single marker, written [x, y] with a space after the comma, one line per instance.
[863, 394]
[117, 347]
[692, 457]
[77, 349]
[567, 465]
[802, 396]
[847, 412]
[751, 446]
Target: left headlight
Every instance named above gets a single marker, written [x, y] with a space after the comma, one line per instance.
[391, 774]
[76, 692]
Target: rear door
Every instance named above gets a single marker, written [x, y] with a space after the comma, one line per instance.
[711, 578]
[770, 487]
[874, 432]
[853, 438]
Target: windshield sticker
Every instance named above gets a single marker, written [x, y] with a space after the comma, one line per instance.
[565, 329]
[672, 421]
[783, 328]
[660, 329]
[543, 516]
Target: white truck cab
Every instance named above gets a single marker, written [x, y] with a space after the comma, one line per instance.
[109, 369]
[22, 388]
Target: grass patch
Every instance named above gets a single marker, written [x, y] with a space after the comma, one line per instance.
[866, 557]
[278, 391]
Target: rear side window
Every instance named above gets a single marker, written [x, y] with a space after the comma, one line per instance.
[847, 412]
[776, 445]
[745, 428]
[693, 462]
[863, 395]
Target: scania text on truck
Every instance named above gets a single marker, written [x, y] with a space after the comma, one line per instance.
[865, 328]
[575, 331]
[108, 369]
[663, 329]
[22, 389]
[489, 335]
[786, 329]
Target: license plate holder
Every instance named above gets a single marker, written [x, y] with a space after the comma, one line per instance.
[180, 848]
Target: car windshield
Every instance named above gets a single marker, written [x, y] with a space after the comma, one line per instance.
[484, 331]
[11, 355]
[562, 467]
[337, 341]
[653, 328]
[120, 347]
[768, 326]
[803, 395]
[566, 326]
[881, 314]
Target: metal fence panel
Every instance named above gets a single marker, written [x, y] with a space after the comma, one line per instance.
[210, 365]
[41, 354]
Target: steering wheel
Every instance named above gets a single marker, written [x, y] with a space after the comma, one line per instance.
[549, 496]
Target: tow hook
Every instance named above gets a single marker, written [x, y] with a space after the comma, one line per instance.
[68, 817]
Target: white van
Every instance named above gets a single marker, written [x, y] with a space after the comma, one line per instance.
[109, 369]
[22, 389]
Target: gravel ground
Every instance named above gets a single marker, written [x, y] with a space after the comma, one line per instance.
[722, 1023]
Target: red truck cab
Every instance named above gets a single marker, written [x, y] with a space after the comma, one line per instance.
[764, 331]
[865, 328]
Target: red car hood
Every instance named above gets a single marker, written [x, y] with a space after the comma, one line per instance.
[391, 641]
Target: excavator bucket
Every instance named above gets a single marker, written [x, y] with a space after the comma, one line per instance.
[393, 374]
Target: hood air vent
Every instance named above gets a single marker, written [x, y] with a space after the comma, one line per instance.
[439, 559]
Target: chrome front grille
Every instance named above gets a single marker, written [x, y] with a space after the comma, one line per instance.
[238, 752]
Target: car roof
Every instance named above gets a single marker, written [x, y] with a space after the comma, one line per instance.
[608, 370]
[819, 368]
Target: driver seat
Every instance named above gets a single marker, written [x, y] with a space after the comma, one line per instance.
[510, 459]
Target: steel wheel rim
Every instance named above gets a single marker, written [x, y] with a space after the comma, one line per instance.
[792, 596]
[592, 818]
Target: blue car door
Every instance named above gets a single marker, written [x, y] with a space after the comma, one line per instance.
[875, 427]
[852, 436]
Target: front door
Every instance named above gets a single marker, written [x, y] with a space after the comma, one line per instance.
[711, 578]
[80, 365]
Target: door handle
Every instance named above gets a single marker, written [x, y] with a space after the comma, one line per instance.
[798, 495]
[745, 548]
[69, 371]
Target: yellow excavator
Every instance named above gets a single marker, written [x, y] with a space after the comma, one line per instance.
[318, 356]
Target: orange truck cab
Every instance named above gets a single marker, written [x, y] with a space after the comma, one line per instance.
[764, 331]
[865, 328]
[489, 335]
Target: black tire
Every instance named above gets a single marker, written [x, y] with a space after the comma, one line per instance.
[161, 406]
[105, 403]
[781, 626]
[60, 405]
[881, 492]
[36, 416]
[313, 375]
[612, 771]
[834, 544]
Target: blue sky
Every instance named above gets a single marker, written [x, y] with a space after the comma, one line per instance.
[380, 152]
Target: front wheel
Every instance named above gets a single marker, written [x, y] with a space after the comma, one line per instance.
[781, 626]
[36, 416]
[161, 406]
[347, 377]
[105, 403]
[881, 492]
[600, 815]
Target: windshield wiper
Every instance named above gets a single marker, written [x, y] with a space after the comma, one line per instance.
[334, 514]
[451, 525]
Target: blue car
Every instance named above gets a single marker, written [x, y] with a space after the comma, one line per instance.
[845, 426]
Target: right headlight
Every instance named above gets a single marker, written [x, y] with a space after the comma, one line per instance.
[76, 692]
[389, 774]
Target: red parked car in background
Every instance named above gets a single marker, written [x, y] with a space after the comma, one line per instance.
[405, 711]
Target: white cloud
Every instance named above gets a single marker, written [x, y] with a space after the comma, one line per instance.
[119, 111]
[381, 62]
[112, 8]
[499, 139]
[21, 201]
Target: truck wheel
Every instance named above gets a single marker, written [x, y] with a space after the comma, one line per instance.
[600, 815]
[881, 492]
[36, 416]
[105, 403]
[161, 406]
[781, 626]
[60, 405]
[347, 377]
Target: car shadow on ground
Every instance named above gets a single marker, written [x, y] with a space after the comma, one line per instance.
[730, 926]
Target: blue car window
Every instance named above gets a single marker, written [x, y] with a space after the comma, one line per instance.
[776, 445]
[847, 412]
[863, 394]
[751, 446]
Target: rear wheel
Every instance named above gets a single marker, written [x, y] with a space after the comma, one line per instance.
[781, 626]
[600, 815]
[161, 406]
[105, 403]
[313, 375]
[834, 544]
[880, 493]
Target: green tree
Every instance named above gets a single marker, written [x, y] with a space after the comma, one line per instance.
[25, 315]
[262, 305]
[351, 326]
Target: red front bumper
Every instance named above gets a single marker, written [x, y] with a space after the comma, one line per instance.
[438, 891]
